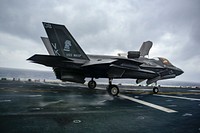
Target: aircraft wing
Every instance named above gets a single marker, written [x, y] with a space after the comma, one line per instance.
[116, 67]
[117, 71]
[98, 62]
[128, 61]
[116, 61]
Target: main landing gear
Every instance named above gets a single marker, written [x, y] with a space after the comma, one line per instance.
[155, 90]
[92, 84]
[112, 90]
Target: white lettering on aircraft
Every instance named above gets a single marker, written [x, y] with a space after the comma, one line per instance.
[56, 52]
[46, 25]
[54, 46]
[77, 55]
[69, 55]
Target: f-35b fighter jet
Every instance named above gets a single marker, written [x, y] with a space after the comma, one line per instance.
[70, 63]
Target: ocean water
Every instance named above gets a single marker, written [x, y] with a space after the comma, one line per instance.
[26, 74]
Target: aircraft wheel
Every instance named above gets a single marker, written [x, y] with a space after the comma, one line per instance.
[92, 84]
[113, 90]
[155, 90]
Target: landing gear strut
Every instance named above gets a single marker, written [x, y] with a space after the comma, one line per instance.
[92, 84]
[113, 90]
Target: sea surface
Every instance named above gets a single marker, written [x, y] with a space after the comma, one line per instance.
[25, 74]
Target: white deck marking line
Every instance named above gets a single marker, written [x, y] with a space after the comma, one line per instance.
[185, 98]
[194, 90]
[148, 104]
[99, 88]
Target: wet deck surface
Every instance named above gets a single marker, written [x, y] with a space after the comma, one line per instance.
[52, 107]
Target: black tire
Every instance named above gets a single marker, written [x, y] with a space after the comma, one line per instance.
[113, 90]
[155, 90]
[92, 84]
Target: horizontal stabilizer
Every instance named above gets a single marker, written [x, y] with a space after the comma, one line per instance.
[48, 60]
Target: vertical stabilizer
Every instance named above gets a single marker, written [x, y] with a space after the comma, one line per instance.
[63, 43]
[48, 46]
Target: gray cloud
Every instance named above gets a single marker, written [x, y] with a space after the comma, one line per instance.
[105, 27]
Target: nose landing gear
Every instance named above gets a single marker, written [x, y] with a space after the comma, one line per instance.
[155, 88]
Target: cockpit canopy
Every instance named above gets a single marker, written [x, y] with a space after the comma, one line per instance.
[164, 61]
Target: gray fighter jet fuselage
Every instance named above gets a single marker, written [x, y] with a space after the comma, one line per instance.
[70, 63]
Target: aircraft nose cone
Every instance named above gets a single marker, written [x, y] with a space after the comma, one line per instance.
[179, 71]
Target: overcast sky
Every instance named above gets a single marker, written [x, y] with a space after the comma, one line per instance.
[104, 27]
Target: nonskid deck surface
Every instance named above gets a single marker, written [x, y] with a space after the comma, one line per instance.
[59, 107]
